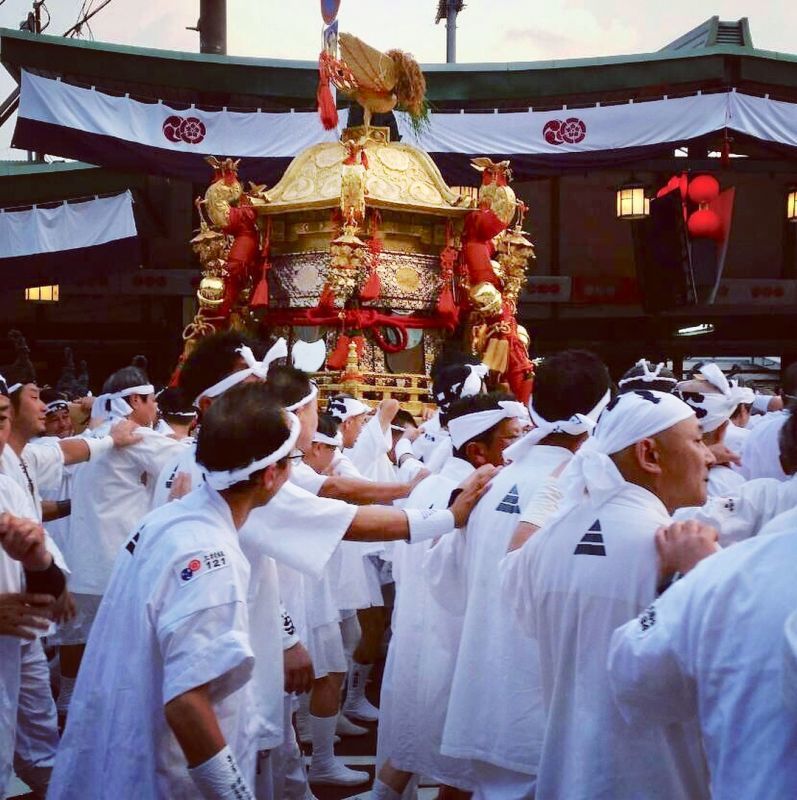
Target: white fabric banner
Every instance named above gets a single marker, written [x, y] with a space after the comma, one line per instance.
[69, 226]
[229, 133]
[279, 135]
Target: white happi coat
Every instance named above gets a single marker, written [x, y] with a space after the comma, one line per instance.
[174, 617]
[110, 496]
[357, 584]
[58, 528]
[44, 464]
[12, 580]
[735, 437]
[430, 435]
[746, 512]
[495, 711]
[369, 453]
[724, 481]
[590, 570]
[761, 451]
[422, 653]
[710, 649]
[299, 530]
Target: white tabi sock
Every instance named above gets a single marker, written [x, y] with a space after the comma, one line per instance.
[323, 733]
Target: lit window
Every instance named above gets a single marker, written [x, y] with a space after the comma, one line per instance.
[42, 294]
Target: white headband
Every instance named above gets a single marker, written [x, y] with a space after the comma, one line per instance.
[113, 404]
[742, 394]
[575, 426]
[648, 375]
[629, 418]
[56, 405]
[468, 426]
[253, 367]
[13, 388]
[332, 441]
[473, 383]
[470, 386]
[306, 400]
[712, 409]
[344, 408]
[223, 479]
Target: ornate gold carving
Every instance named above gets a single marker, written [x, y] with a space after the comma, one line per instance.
[298, 278]
[393, 159]
[408, 279]
[399, 177]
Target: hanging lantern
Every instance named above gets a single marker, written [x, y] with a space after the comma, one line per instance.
[703, 189]
[705, 224]
[791, 205]
[632, 203]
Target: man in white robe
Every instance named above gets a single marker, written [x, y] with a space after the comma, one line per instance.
[24, 616]
[425, 635]
[591, 568]
[714, 400]
[495, 714]
[164, 698]
[36, 467]
[709, 650]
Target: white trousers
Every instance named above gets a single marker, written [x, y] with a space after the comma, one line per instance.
[37, 721]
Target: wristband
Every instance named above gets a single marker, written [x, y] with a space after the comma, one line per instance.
[45, 581]
[429, 523]
[289, 636]
[219, 778]
[99, 446]
[63, 507]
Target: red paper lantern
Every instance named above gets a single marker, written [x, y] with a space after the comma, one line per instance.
[705, 224]
[703, 189]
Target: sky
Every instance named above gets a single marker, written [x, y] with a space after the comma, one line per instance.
[487, 30]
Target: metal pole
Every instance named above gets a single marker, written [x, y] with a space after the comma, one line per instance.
[451, 32]
[213, 27]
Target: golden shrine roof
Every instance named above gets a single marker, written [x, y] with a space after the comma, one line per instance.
[399, 177]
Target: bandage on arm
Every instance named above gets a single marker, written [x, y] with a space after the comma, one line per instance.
[210, 763]
[219, 778]
[289, 635]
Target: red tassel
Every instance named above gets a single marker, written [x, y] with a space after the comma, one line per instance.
[174, 380]
[327, 298]
[445, 303]
[327, 109]
[372, 288]
[260, 295]
[337, 358]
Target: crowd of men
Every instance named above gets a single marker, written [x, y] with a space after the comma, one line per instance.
[593, 597]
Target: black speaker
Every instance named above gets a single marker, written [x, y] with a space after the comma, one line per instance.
[661, 255]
